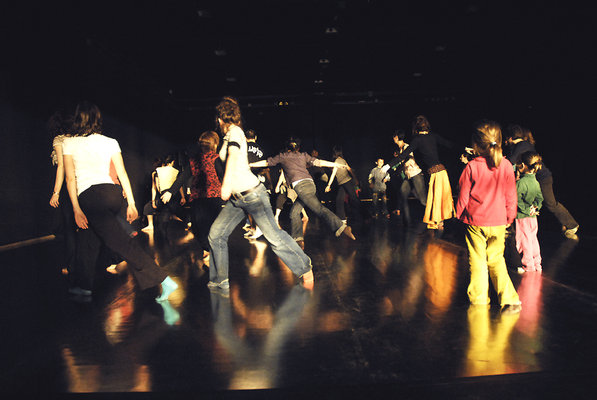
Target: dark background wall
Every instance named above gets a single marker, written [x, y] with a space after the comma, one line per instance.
[528, 64]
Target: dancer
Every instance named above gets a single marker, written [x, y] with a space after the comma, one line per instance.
[377, 180]
[285, 192]
[206, 170]
[487, 204]
[255, 153]
[58, 126]
[294, 164]
[150, 208]
[347, 183]
[521, 140]
[411, 178]
[244, 194]
[529, 203]
[97, 200]
[439, 204]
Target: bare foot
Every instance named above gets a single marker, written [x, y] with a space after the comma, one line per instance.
[148, 228]
[116, 269]
[348, 232]
[308, 280]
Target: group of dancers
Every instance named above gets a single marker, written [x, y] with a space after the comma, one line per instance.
[228, 182]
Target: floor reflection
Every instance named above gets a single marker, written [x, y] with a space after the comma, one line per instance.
[389, 307]
[255, 359]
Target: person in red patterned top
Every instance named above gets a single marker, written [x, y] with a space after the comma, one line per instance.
[207, 170]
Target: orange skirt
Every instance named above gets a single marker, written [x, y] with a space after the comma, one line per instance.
[440, 204]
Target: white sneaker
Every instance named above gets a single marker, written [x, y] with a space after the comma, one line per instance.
[256, 234]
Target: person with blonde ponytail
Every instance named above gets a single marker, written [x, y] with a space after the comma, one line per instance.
[487, 204]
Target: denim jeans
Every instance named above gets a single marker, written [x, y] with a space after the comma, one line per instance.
[307, 198]
[258, 205]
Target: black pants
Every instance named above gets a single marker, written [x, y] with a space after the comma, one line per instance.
[549, 201]
[204, 212]
[101, 204]
[349, 189]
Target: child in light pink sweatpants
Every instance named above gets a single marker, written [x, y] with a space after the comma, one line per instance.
[529, 203]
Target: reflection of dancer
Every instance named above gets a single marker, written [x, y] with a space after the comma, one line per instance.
[439, 204]
[257, 368]
[486, 204]
[97, 200]
[294, 164]
[244, 194]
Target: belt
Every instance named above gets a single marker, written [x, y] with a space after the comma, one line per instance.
[237, 196]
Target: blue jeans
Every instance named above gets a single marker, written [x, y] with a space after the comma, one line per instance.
[258, 205]
[307, 198]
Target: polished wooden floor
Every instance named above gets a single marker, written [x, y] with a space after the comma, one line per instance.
[388, 315]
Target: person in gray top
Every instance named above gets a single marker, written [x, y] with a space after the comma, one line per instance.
[294, 164]
[377, 180]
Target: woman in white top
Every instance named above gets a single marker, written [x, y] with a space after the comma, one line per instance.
[97, 200]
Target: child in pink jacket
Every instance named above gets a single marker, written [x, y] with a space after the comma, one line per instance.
[487, 204]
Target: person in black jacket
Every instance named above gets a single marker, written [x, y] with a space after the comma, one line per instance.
[520, 140]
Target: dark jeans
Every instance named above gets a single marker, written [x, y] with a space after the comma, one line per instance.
[68, 228]
[101, 205]
[416, 184]
[349, 189]
[549, 201]
[308, 198]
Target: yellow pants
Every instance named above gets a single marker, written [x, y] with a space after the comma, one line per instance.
[486, 256]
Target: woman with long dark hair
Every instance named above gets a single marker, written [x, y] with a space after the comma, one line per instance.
[97, 201]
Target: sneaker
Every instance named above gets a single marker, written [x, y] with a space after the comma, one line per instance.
[511, 308]
[77, 291]
[256, 234]
[224, 285]
[571, 233]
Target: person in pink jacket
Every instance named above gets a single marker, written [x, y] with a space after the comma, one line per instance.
[487, 204]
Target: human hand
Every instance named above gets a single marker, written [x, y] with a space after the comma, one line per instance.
[131, 213]
[327, 189]
[166, 197]
[54, 200]
[183, 201]
[81, 219]
[226, 193]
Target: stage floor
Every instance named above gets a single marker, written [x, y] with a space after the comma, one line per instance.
[389, 314]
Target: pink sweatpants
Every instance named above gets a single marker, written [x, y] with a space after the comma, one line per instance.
[527, 243]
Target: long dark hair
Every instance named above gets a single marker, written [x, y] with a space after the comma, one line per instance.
[420, 124]
[87, 119]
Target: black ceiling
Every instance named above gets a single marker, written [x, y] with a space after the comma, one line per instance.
[187, 53]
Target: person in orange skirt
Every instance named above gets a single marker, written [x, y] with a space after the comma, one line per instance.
[424, 143]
